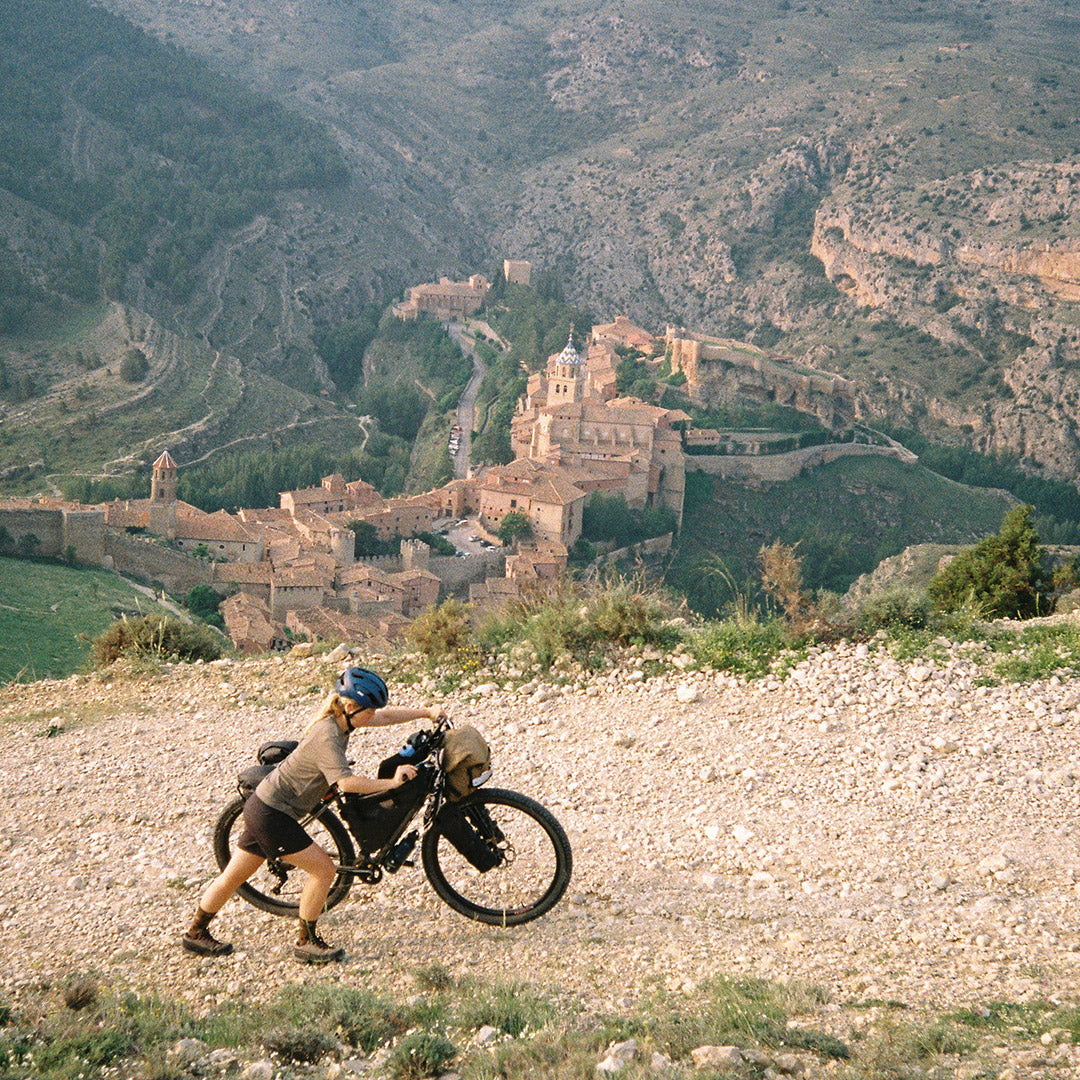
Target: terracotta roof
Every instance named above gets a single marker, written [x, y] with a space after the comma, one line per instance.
[533, 480]
[446, 288]
[405, 576]
[266, 515]
[314, 495]
[329, 625]
[622, 328]
[361, 572]
[241, 573]
[165, 461]
[300, 578]
[193, 524]
[248, 622]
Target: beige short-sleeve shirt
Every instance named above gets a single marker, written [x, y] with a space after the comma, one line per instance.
[298, 784]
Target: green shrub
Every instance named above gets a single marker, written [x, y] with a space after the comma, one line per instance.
[899, 608]
[1038, 652]
[205, 602]
[434, 977]
[155, 637]
[738, 1012]
[420, 1054]
[296, 1044]
[1002, 576]
[442, 631]
[744, 646]
[513, 527]
[361, 1018]
[512, 1008]
[80, 992]
[583, 620]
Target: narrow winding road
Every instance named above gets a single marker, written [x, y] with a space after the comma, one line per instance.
[466, 410]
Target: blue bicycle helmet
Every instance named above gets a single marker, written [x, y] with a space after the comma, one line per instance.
[364, 687]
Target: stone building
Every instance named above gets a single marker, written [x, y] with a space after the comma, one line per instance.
[161, 511]
[623, 333]
[517, 271]
[445, 300]
[543, 493]
[332, 496]
[569, 419]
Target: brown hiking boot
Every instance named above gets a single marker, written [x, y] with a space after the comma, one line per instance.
[205, 944]
[311, 949]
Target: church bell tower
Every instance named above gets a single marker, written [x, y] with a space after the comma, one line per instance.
[163, 497]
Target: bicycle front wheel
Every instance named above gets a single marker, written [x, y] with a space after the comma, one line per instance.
[530, 850]
[276, 886]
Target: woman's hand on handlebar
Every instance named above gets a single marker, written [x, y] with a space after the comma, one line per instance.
[438, 714]
[403, 773]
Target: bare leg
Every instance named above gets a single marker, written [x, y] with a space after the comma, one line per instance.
[241, 866]
[321, 873]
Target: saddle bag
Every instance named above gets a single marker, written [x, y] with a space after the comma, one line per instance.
[270, 755]
[471, 831]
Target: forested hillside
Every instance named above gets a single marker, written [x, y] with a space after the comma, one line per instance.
[147, 151]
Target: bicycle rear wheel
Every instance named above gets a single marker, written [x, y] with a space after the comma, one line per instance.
[276, 886]
[532, 854]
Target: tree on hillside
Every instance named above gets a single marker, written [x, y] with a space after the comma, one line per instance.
[205, 602]
[134, 366]
[397, 406]
[513, 527]
[1001, 576]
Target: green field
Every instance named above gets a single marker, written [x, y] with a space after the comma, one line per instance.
[49, 614]
[846, 517]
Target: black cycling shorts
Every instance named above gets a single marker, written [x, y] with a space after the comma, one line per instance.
[269, 832]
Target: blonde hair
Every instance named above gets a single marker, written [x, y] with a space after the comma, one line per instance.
[334, 706]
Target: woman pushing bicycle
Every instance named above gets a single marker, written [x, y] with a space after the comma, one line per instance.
[273, 813]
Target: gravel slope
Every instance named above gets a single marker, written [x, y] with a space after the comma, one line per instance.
[886, 830]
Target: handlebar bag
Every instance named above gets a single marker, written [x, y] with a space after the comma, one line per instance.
[466, 760]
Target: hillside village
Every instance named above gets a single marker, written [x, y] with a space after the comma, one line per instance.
[289, 572]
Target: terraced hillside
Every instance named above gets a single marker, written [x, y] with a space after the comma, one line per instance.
[94, 424]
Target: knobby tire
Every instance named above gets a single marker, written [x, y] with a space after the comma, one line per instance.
[526, 886]
[332, 836]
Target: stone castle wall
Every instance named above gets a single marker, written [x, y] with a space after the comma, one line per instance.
[775, 468]
[655, 545]
[720, 372]
[457, 574]
[58, 530]
[143, 558]
[47, 525]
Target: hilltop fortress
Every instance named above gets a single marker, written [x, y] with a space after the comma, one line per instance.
[291, 569]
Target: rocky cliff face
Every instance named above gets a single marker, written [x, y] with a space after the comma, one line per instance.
[990, 293]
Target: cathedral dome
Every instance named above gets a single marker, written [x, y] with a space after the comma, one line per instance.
[569, 355]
